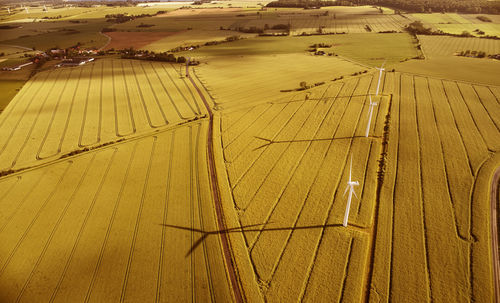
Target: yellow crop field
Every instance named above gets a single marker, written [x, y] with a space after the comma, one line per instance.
[337, 157]
[121, 223]
[257, 79]
[72, 108]
[287, 165]
[436, 46]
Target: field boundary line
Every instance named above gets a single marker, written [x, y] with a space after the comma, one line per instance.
[104, 146]
[495, 197]
[107, 43]
[227, 251]
[484, 188]
[195, 171]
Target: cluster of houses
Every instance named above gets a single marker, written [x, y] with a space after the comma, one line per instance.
[72, 57]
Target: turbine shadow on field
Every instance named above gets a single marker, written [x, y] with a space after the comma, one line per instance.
[269, 141]
[241, 229]
[324, 99]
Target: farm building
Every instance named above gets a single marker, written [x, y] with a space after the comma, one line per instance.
[75, 62]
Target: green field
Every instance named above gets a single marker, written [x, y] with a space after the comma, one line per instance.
[389, 48]
[9, 90]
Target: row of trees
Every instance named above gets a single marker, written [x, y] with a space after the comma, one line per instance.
[417, 28]
[121, 18]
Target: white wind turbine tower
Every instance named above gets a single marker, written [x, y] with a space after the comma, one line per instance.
[370, 113]
[350, 187]
[45, 8]
[8, 10]
[381, 69]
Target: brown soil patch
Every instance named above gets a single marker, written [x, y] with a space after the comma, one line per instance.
[137, 40]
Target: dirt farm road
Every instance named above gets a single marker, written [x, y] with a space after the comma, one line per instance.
[216, 196]
[494, 233]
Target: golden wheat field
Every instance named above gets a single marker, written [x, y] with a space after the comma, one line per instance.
[227, 178]
[302, 146]
[69, 109]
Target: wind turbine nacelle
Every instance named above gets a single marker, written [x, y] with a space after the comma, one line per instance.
[353, 183]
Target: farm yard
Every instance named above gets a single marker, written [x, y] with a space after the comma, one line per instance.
[223, 179]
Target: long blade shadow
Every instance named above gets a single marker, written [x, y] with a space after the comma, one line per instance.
[246, 228]
[269, 142]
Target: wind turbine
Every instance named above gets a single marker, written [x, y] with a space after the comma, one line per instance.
[45, 8]
[8, 10]
[381, 69]
[370, 112]
[26, 9]
[350, 187]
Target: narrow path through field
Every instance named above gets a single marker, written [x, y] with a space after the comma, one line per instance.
[107, 43]
[216, 195]
[494, 232]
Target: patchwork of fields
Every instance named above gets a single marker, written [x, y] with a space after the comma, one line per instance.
[72, 108]
[127, 180]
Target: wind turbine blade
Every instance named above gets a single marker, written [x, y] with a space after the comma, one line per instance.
[370, 99]
[345, 191]
[383, 63]
[352, 188]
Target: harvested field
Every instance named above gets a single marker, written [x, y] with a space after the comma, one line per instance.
[137, 40]
[69, 109]
[287, 165]
[121, 223]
